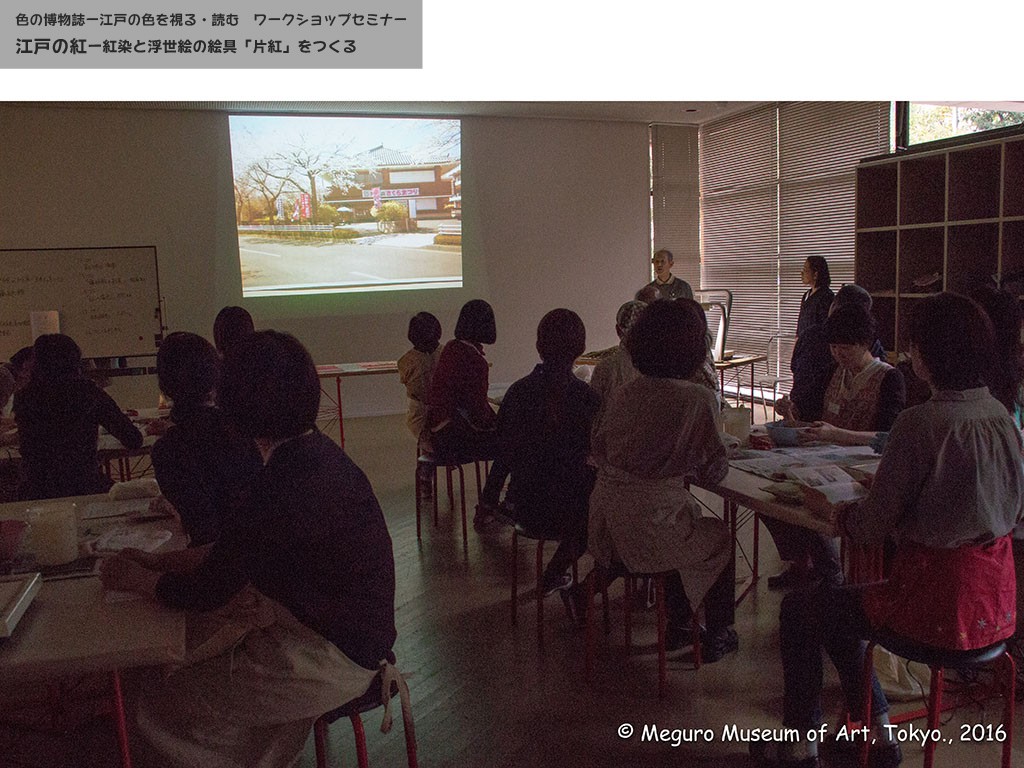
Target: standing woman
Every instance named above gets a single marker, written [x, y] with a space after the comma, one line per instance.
[59, 413]
[815, 302]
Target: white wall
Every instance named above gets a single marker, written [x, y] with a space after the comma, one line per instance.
[559, 217]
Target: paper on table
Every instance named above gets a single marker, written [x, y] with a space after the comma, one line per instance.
[120, 537]
[101, 509]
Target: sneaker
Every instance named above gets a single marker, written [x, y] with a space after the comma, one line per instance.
[765, 754]
[484, 520]
[678, 638]
[713, 647]
[558, 583]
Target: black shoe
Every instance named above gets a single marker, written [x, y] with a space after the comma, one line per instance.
[558, 583]
[575, 600]
[765, 754]
[713, 647]
[678, 637]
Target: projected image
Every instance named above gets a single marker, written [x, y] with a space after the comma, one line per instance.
[343, 204]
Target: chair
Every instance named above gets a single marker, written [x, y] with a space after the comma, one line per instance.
[451, 465]
[388, 679]
[938, 659]
[717, 304]
[541, 538]
[658, 579]
[776, 377]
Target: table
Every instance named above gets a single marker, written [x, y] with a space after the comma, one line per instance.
[109, 451]
[734, 363]
[338, 371]
[70, 629]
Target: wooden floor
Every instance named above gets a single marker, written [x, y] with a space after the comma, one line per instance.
[484, 696]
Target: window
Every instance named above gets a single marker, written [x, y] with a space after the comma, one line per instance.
[777, 185]
[935, 121]
[411, 177]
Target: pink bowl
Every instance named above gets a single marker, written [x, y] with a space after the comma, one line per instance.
[11, 534]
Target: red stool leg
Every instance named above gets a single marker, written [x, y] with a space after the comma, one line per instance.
[1009, 692]
[462, 502]
[628, 606]
[419, 496]
[695, 634]
[320, 741]
[451, 493]
[479, 487]
[121, 720]
[934, 711]
[410, 741]
[515, 574]
[540, 593]
[434, 494]
[659, 587]
[357, 728]
[588, 653]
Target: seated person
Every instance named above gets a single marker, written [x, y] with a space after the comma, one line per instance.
[544, 438]
[302, 580]
[59, 413]
[949, 489]
[415, 370]
[201, 464]
[231, 325]
[862, 399]
[615, 369]
[658, 433]
[459, 416]
[812, 363]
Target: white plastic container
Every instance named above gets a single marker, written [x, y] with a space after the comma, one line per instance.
[736, 422]
[53, 533]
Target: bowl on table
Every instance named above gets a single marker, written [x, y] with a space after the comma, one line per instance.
[785, 434]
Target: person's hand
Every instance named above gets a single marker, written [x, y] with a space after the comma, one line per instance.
[161, 507]
[158, 427]
[124, 572]
[821, 431]
[784, 407]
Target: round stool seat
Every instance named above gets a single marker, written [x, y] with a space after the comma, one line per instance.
[931, 656]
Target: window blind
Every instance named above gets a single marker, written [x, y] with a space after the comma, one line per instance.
[777, 185]
[675, 197]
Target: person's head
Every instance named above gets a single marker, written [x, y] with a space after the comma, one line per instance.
[815, 272]
[187, 367]
[561, 338]
[56, 358]
[269, 387]
[476, 322]
[1003, 309]
[424, 332]
[850, 331]
[662, 262]
[648, 294]
[627, 316]
[21, 366]
[951, 341]
[231, 325]
[851, 294]
[668, 339]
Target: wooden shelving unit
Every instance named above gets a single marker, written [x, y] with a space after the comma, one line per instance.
[929, 220]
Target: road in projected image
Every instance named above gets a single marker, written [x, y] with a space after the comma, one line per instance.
[271, 266]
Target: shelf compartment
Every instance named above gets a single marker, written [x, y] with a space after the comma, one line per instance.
[922, 255]
[973, 256]
[876, 196]
[974, 183]
[923, 190]
[1013, 255]
[884, 311]
[1013, 179]
[875, 262]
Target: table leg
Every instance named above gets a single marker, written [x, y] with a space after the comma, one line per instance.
[341, 423]
[121, 720]
[752, 402]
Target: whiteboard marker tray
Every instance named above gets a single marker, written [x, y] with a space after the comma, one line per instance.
[16, 593]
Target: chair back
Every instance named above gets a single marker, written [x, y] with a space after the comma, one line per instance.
[717, 304]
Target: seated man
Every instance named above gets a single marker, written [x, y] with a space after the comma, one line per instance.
[544, 437]
[302, 580]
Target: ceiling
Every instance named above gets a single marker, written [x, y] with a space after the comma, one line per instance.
[685, 112]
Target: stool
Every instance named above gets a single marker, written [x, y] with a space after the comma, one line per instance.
[450, 466]
[372, 699]
[936, 660]
[541, 538]
[658, 579]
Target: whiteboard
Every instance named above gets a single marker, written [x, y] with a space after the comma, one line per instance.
[108, 299]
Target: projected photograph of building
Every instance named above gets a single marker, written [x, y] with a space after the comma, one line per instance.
[328, 205]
